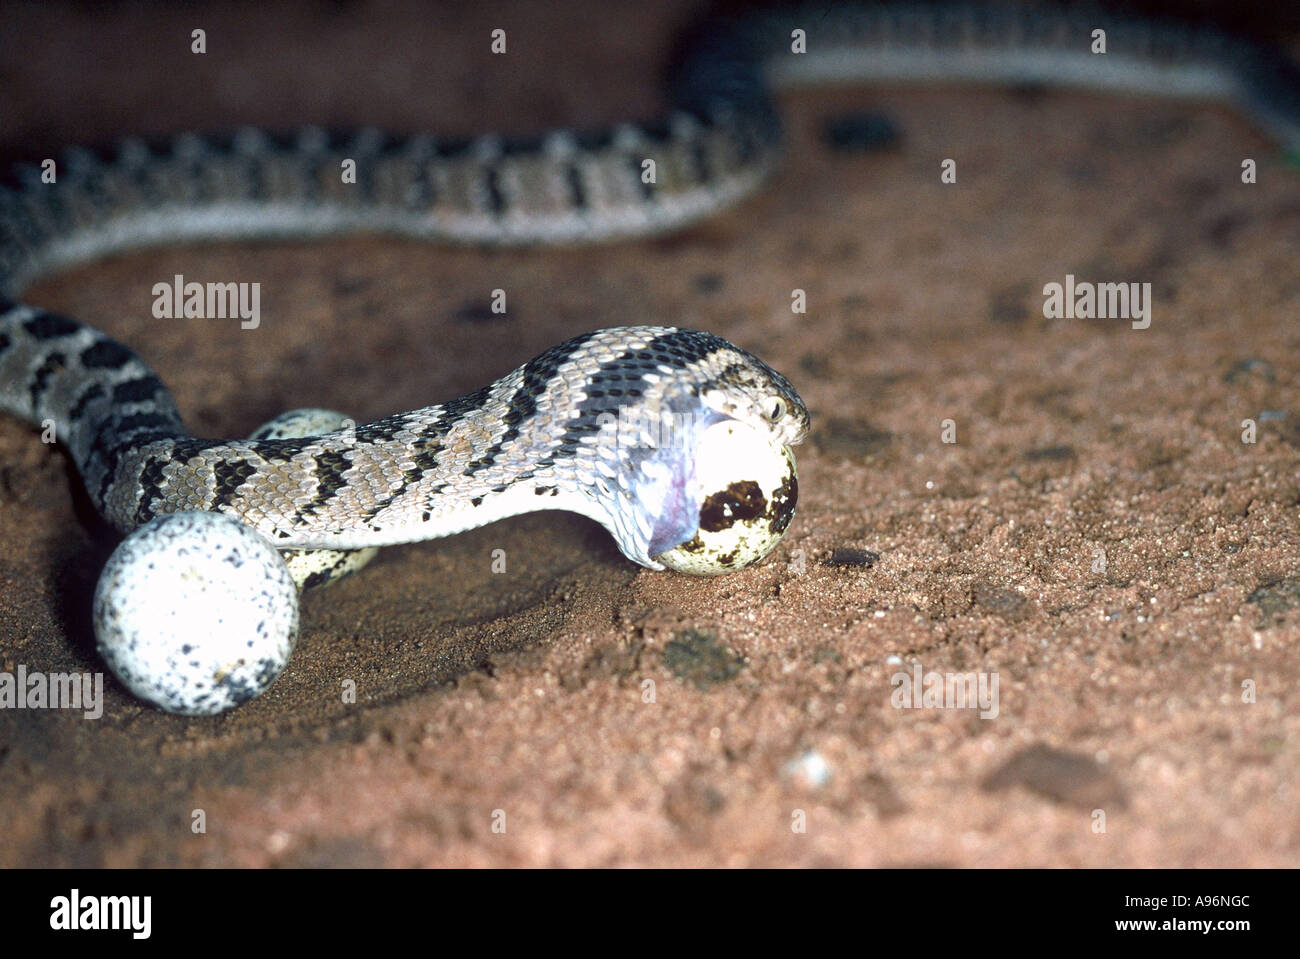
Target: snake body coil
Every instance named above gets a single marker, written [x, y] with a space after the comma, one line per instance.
[544, 436]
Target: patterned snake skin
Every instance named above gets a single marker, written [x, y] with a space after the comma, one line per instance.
[541, 437]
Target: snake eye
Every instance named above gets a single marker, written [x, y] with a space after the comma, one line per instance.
[776, 410]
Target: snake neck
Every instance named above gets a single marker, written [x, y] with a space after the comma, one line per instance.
[605, 424]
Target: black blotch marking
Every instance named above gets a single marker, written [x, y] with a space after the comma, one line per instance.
[241, 691]
[161, 424]
[537, 373]
[151, 481]
[455, 410]
[577, 189]
[784, 500]
[739, 502]
[626, 374]
[383, 430]
[736, 373]
[106, 354]
[104, 450]
[318, 578]
[496, 199]
[93, 392]
[329, 471]
[284, 449]
[48, 326]
[424, 461]
[229, 476]
[476, 501]
[41, 378]
[139, 390]
[693, 545]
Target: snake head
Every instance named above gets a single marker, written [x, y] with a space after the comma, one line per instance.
[670, 488]
[745, 388]
[669, 409]
[714, 504]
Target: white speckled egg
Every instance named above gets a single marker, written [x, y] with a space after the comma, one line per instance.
[196, 613]
[314, 567]
[749, 489]
[295, 424]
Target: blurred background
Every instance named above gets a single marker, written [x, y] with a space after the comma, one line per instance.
[85, 73]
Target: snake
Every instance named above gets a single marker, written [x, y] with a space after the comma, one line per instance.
[540, 437]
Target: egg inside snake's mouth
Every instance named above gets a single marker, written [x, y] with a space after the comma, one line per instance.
[750, 489]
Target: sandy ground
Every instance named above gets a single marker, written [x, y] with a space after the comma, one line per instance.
[609, 715]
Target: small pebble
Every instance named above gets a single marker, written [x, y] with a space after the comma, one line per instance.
[811, 770]
[861, 132]
[852, 556]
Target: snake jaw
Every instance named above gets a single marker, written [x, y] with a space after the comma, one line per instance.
[662, 493]
[678, 516]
